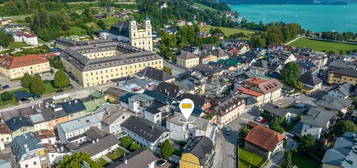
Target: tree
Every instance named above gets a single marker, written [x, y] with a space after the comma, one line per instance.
[307, 143]
[61, 79]
[291, 75]
[5, 38]
[102, 25]
[26, 80]
[134, 146]
[126, 142]
[77, 160]
[167, 70]
[6, 96]
[167, 149]
[243, 133]
[343, 126]
[288, 163]
[37, 86]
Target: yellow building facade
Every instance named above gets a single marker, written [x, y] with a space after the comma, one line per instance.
[343, 76]
[188, 60]
[17, 67]
[99, 63]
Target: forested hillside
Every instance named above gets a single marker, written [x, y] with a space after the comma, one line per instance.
[288, 1]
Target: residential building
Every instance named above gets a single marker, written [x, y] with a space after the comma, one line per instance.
[28, 150]
[5, 136]
[314, 122]
[141, 38]
[264, 141]
[113, 94]
[140, 158]
[28, 38]
[343, 154]
[145, 132]
[73, 131]
[47, 136]
[198, 153]
[74, 109]
[342, 91]
[39, 122]
[339, 105]
[182, 130]
[188, 60]
[99, 147]
[288, 113]
[310, 82]
[155, 74]
[19, 126]
[53, 114]
[113, 118]
[341, 76]
[263, 90]
[98, 62]
[229, 109]
[156, 112]
[17, 67]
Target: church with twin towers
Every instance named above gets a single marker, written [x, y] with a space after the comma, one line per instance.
[137, 34]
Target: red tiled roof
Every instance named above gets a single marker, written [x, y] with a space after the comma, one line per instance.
[249, 92]
[264, 137]
[11, 62]
[28, 35]
[256, 81]
[265, 86]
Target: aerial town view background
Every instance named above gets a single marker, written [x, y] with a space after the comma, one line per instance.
[178, 84]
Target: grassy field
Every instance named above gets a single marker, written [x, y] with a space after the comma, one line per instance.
[323, 45]
[305, 162]
[248, 158]
[75, 30]
[102, 162]
[202, 6]
[17, 45]
[227, 31]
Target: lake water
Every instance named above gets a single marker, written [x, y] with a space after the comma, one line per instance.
[317, 18]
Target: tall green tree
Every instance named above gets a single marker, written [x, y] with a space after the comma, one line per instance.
[307, 143]
[167, 149]
[126, 141]
[77, 160]
[5, 38]
[61, 79]
[344, 126]
[37, 85]
[288, 163]
[26, 80]
[291, 75]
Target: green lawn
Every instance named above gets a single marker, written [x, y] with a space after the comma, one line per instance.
[17, 45]
[49, 88]
[323, 45]
[109, 21]
[116, 155]
[202, 6]
[247, 158]
[305, 162]
[102, 162]
[227, 31]
[75, 30]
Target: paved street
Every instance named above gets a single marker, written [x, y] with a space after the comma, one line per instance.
[226, 145]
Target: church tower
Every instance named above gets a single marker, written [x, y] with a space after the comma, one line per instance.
[141, 37]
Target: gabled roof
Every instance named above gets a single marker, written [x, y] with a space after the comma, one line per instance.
[347, 72]
[10, 62]
[74, 106]
[27, 140]
[154, 74]
[333, 103]
[271, 108]
[167, 89]
[98, 146]
[143, 128]
[201, 147]
[16, 123]
[318, 117]
[187, 55]
[4, 129]
[310, 79]
[264, 137]
[137, 159]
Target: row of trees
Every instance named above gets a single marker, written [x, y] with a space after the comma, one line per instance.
[182, 9]
[345, 36]
[276, 33]
[37, 86]
[186, 36]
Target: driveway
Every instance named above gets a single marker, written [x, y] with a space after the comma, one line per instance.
[16, 84]
[226, 145]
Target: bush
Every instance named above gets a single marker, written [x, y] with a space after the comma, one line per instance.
[6, 96]
[126, 142]
[135, 146]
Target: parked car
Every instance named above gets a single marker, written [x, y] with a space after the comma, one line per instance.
[161, 162]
